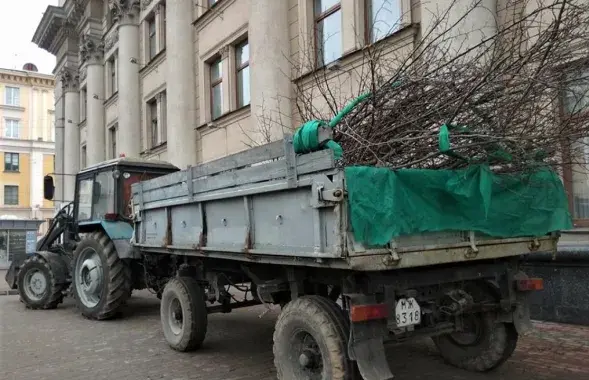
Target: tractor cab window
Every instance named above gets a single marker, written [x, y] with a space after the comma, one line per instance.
[85, 199]
[104, 201]
[96, 197]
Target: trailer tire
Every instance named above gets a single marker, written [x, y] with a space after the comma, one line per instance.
[101, 280]
[185, 296]
[312, 331]
[37, 284]
[494, 344]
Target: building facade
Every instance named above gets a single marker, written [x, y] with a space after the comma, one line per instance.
[27, 142]
[188, 81]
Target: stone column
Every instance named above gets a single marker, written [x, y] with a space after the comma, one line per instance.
[59, 144]
[71, 145]
[269, 57]
[129, 133]
[180, 84]
[92, 50]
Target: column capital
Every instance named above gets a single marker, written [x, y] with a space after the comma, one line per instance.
[125, 11]
[224, 52]
[91, 49]
[145, 4]
[111, 40]
[70, 80]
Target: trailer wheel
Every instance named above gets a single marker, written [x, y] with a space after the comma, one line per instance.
[184, 314]
[37, 285]
[484, 344]
[101, 280]
[311, 341]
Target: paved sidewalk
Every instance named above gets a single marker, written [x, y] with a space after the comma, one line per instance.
[62, 345]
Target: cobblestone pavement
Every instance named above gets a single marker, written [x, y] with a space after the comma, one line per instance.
[62, 345]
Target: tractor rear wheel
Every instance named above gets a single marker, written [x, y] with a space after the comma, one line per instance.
[37, 285]
[101, 280]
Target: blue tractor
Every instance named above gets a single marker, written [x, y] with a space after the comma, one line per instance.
[87, 249]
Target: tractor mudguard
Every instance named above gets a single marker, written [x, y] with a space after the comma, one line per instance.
[59, 265]
[120, 233]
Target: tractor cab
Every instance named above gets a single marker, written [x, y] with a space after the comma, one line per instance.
[103, 191]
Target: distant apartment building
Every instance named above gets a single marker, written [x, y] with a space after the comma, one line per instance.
[188, 81]
[27, 142]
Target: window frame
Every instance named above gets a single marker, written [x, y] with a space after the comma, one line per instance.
[83, 156]
[11, 163]
[154, 137]
[218, 59]
[567, 175]
[112, 135]
[318, 18]
[112, 74]
[368, 20]
[151, 37]
[239, 67]
[12, 122]
[17, 197]
[16, 90]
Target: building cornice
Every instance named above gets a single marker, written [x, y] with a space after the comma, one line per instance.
[53, 19]
[12, 108]
[210, 14]
[58, 23]
[26, 146]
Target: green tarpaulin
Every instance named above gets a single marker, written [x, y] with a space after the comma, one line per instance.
[385, 204]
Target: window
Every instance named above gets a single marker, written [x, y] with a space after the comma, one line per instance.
[328, 31]
[104, 202]
[164, 110]
[242, 55]
[10, 195]
[12, 128]
[163, 27]
[152, 117]
[576, 101]
[112, 67]
[151, 37]
[384, 17]
[83, 103]
[113, 141]
[11, 162]
[12, 96]
[216, 88]
[84, 156]
[212, 2]
[85, 199]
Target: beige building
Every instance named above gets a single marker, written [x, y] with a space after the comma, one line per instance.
[27, 142]
[189, 81]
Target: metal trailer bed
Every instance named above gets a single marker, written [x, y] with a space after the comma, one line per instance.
[269, 205]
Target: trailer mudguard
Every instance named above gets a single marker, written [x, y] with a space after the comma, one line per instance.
[366, 343]
[120, 233]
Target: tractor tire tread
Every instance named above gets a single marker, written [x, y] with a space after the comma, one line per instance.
[56, 290]
[118, 282]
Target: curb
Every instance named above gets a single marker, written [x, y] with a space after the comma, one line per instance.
[11, 292]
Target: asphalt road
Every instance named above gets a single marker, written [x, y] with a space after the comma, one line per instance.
[62, 345]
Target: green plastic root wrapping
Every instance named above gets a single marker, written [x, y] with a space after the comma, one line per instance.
[385, 204]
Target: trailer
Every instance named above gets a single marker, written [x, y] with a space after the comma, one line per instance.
[350, 275]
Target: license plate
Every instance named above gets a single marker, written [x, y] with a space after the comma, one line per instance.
[407, 312]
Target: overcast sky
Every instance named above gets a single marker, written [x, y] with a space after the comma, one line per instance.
[18, 22]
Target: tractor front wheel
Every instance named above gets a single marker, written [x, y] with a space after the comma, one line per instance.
[37, 285]
[101, 280]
